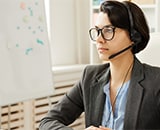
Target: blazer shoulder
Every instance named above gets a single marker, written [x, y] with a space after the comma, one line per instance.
[147, 69]
[151, 70]
[95, 71]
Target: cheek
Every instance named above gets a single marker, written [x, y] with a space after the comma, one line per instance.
[120, 41]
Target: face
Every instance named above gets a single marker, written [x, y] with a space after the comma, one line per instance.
[120, 40]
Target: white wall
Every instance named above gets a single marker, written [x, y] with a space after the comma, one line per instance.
[150, 54]
[69, 24]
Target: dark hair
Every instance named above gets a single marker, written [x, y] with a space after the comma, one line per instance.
[119, 17]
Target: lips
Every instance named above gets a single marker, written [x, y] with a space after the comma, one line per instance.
[102, 49]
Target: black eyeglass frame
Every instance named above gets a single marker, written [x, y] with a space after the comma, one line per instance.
[100, 31]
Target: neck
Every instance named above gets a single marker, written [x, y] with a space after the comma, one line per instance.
[120, 70]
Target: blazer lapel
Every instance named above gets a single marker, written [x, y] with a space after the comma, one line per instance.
[97, 98]
[135, 94]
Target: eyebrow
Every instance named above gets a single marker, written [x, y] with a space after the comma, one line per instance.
[109, 25]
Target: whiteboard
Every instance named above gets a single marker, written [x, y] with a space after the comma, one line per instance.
[25, 66]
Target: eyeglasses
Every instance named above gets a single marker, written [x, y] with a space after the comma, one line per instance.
[107, 32]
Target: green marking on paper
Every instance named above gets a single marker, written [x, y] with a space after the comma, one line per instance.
[17, 45]
[30, 10]
[36, 3]
[29, 27]
[28, 50]
[40, 42]
[18, 27]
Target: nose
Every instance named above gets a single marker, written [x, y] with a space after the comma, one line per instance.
[100, 39]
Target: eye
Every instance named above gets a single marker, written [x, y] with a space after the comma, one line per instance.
[107, 30]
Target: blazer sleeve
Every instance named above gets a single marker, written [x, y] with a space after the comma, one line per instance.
[65, 112]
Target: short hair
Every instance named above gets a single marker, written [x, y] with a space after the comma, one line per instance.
[119, 17]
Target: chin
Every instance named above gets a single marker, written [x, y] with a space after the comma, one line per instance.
[103, 58]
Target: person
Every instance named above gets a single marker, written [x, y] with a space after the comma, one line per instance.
[121, 93]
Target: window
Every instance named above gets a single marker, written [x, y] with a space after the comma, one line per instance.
[68, 31]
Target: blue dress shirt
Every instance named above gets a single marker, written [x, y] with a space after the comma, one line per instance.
[115, 121]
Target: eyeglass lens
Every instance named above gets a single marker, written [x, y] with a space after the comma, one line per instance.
[107, 33]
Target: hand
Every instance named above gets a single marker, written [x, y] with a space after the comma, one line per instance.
[97, 128]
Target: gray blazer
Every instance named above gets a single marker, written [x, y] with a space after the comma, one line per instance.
[143, 101]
